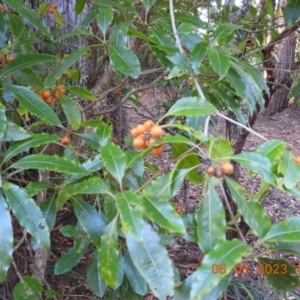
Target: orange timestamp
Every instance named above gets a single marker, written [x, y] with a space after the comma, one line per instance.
[259, 269]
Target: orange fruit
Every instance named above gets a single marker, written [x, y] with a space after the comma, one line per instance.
[140, 129]
[65, 140]
[150, 141]
[46, 94]
[61, 89]
[227, 168]
[56, 95]
[134, 132]
[157, 151]
[138, 142]
[54, 6]
[50, 10]
[297, 159]
[9, 58]
[148, 124]
[156, 131]
[49, 100]
[210, 171]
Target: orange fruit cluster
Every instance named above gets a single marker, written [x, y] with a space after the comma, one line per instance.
[226, 168]
[146, 134]
[5, 59]
[48, 95]
[52, 8]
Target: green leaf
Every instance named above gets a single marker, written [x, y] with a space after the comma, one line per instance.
[94, 279]
[227, 254]
[75, 32]
[6, 240]
[279, 273]
[114, 160]
[88, 18]
[49, 211]
[134, 277]
[163, 213]
[69, 260]
[104, 18]
[16, 25]
[68, 62]
[211, 219]
[291, 12]
[58, 18]
[285, 231]
[191, 107]
[273, 150]
[197, 56]
[152, 261]
[256, 163]
[79, 6]
[49, 162]
[295, 90]
[30, 15]
[29, 289]
[224, 30]
[68, 230]
[237, 83]
[14, 133]
[3, 29]
[82, 92]
[3, 123]
[220, 60]
[34, 188]
[291, 248]
[130, 206]
[30, 101]
[219, 148]
[252, 211]
[290, 169]
[135, 162]
[90, 139]
[125, 61]
[28, 213]
[148, 4]
[90, 219]
[108, 254]
[103, 133]
[43, 9]
[34, 141]
[71, 111]
[159, 187]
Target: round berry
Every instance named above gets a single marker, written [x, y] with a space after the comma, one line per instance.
[157, 151]
[148, 124]
[210, 171]
[156, 131]
[227, 168]
[138, 142]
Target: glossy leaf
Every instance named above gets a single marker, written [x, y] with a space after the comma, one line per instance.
[60, 68]
[226, 253]
[220, 60]
[224, 30]
[152, 261]
[34, 105]
[23, 61]
[252, 211]
[82, 92]
[58, 18]
[220, 148]
[291, 248]
[79, 6]
[291, 12]
[16, 24]
[28, 213]
[135, 162]
[14, 133]
[103, 133]
[134, 277]
[104, 18]
[49, 162]
[34, 188]
[35, 140]
[191, 106]
[3, 123]
[29, 289]
[108, 254]
[90, 139]
[279, 273]
[163, 213]
[273, 150]
[69, 260]
[130, 206]
[256, 163]
[88, 18]
[6, 238]
[71, 111]
[285, 231]
[94, 279]
[148, 4]
[211, 219]
[30, 15]
[90, 219]
[114, 160]
[159, 187]
[290, 170]
[197, 56]
[48, 208]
